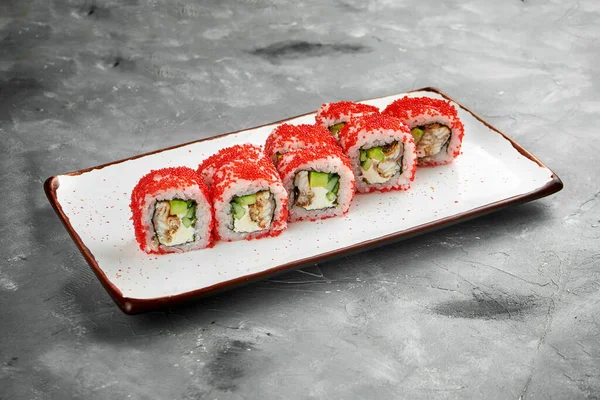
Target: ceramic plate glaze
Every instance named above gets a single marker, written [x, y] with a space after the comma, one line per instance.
[492, 172]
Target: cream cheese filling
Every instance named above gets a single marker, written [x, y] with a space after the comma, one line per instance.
[169, 228]
[372, 176]
[320, 199]
[245, 224]
[182, 235]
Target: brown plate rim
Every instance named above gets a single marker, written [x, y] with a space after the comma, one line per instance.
[134, 306]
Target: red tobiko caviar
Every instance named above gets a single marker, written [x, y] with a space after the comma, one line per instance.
[331, 113]
[410, 106]
[243, 152]
[160, 180]
[287, 137]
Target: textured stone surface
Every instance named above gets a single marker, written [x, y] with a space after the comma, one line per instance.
[504, 306]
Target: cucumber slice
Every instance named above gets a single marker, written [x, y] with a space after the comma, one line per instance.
[363, 155]
[376, 153]
[245, 200]
[178, 207]
[333, 181]
[335, 188]
[187, 222]
[335, 129]
[331, 196]
[367, 164]
[191, 212]
[417, 133]
[318, 179]
[237, 210]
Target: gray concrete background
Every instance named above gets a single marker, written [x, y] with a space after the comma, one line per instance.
[504, 306]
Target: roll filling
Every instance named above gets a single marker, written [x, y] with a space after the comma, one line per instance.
[253, 212]
[380, 163]
[174, 221]
[431, 139]
[316, 190]
[335, 129]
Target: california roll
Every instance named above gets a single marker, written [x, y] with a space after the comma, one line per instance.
[435, 126]
[171, 211]
[381, 151]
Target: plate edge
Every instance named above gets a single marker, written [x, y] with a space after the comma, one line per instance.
[50, 186]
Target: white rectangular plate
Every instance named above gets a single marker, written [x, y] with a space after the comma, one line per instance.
[492, 172]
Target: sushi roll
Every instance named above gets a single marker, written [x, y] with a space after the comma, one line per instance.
[381, 151]
[333, 116]
[249, 200]
[435, 126]
[171, 211]
[319, 182]
[286, 137]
